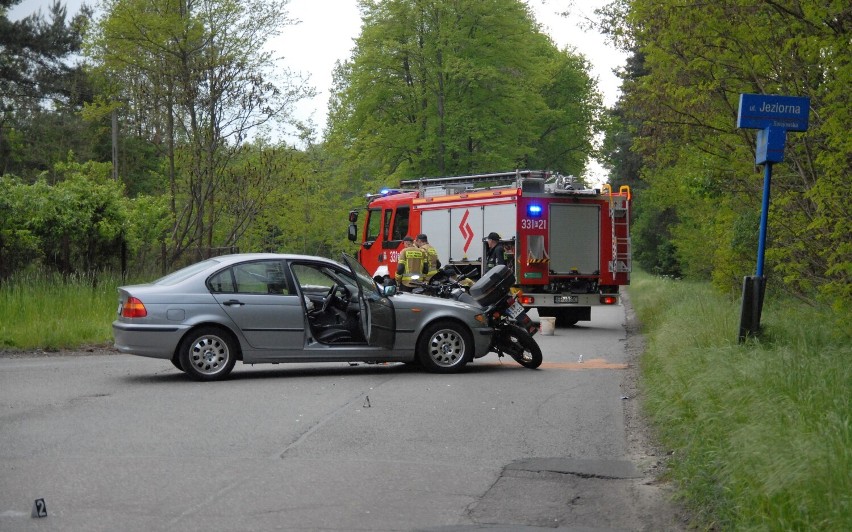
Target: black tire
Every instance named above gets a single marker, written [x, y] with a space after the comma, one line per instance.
[176, 362]
[566, 319]
[444, 347]
[523, 348]
[208, 354]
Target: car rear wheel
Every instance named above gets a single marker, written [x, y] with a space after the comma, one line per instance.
[444, 347]
[208, 354]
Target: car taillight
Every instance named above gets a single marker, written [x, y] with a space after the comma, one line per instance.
[133, 308]
[527, 300]
[609, 300]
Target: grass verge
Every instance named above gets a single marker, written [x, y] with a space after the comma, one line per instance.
[49, 312]
[760, 431]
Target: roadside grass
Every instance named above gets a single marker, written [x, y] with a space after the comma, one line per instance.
[760, 432]
[50, 313]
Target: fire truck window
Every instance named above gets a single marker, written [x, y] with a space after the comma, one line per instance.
[374, 225]
[400, 223]
[386, 225]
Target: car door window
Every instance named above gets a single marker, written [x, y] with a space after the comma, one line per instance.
[312, 280]
[262, 277]
[222, 282]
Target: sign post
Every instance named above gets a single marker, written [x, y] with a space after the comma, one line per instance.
[773, 116]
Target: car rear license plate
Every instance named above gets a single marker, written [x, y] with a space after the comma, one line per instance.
[565, 299]
[515, 310]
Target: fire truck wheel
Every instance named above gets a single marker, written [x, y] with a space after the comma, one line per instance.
[444, 347]
[566, 319]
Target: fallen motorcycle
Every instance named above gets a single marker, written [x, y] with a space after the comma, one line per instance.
[494, 293]
[513, 328]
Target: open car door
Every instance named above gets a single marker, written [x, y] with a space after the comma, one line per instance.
[378, 320]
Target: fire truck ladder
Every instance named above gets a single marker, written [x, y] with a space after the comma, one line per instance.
[619, 214]
[500, 178]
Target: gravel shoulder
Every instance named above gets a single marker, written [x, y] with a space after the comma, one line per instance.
[643, 448]
[86, 350]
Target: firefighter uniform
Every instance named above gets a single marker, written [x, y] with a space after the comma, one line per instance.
[412, 261]
[433, 262]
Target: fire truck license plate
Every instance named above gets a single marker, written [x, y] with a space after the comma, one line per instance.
[515, 310]
[565, 299]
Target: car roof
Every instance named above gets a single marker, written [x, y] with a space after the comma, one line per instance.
[240, 257]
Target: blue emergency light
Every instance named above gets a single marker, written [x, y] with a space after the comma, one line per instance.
[534, 209]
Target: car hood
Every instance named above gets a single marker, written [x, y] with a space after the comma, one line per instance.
[405, 300]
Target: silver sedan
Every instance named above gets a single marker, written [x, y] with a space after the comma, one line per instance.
[264, 307]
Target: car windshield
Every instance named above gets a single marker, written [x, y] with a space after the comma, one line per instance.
[185, 273]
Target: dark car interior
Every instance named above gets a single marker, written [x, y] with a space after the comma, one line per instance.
[331, 305]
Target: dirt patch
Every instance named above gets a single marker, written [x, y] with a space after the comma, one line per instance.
[643, 449]
[87, 350]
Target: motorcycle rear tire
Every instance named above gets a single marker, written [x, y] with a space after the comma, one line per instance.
[529, 356]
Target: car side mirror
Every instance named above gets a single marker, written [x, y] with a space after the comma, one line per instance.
[353, 233]
[389, 290]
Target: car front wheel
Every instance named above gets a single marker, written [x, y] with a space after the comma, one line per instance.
[445, 347]
[208, 354]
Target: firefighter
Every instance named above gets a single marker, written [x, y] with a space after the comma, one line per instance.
[412, 261]
[422, 242]
[495, 254]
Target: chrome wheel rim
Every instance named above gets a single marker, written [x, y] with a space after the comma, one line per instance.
[209, 355]
[446, 348]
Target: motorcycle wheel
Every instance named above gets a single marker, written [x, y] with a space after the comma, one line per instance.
[521, 347]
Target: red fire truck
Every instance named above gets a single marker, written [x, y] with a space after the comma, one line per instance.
[569, 246]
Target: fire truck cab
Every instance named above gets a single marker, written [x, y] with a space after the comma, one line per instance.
[568, 246]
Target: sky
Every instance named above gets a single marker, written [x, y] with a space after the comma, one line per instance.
[327, 29]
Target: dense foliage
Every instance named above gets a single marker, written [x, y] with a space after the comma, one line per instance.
[703, 189]
[439, 87]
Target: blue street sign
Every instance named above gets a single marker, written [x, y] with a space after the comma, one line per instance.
[760, 111]
[773, 116]
[770, 145]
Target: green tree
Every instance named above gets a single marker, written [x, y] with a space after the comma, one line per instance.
[42, 86]
[439, 87]
[699, 58]
[194, 77]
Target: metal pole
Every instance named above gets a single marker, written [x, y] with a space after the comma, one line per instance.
[764, 215]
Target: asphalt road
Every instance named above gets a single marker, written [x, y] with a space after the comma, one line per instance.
[118, 442]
